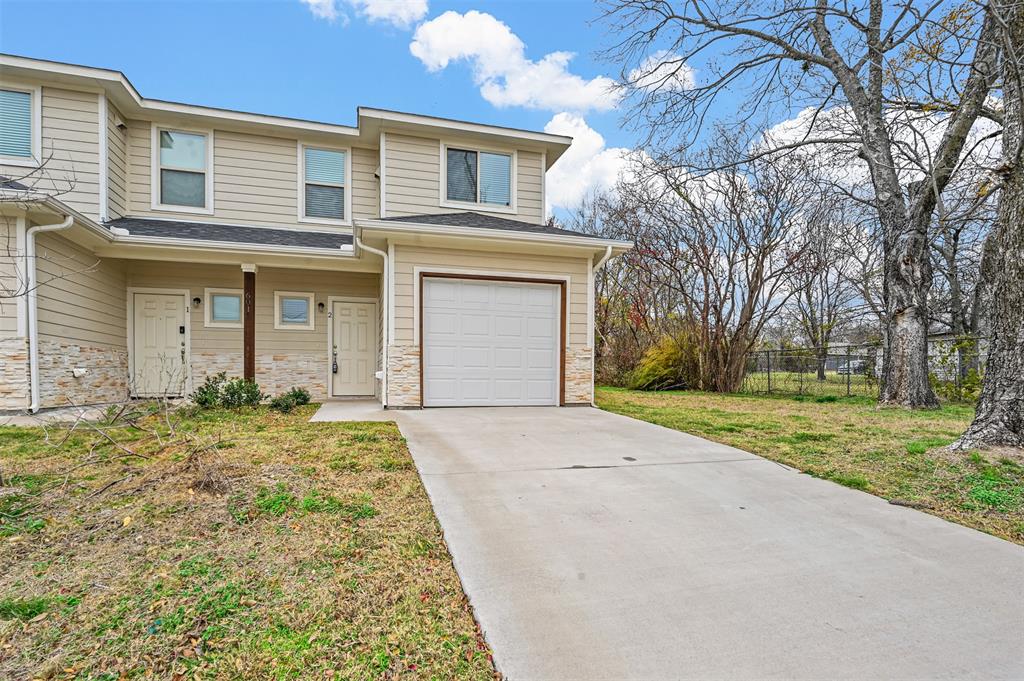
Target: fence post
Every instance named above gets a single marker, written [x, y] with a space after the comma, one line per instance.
[768, 354]
[848, 370]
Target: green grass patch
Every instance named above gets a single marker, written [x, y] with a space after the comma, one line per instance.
[299, 549]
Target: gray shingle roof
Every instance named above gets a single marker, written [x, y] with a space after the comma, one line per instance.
[206, 231]
[8, 183]
[477, 220]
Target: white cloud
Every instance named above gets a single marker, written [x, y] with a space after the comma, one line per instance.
[500, 67]
[400, 13]
[323, 9]
[587, 166]
[663, 70]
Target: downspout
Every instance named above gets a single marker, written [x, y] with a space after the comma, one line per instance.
[32, 311]
[593, 334]
[384, 322]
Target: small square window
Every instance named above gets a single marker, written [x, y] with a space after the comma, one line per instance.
[293, 310]
[223, 308]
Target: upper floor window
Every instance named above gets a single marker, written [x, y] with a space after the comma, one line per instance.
[482, 177]
[183, 164]
[324, 186]
[19, 125]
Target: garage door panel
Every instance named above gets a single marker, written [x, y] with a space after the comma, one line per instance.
[490, 343]
[475, 324]
[476, 357]
[508, 327]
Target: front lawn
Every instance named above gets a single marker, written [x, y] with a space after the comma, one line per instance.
[892, 453]
[225, 544]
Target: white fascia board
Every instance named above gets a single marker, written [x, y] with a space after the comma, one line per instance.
[462, 126]
[496, 234]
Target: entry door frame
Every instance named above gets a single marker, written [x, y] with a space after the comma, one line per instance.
[563, 324]
[185, 297]
[331, 300]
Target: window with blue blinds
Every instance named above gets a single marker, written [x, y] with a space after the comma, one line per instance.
[15, 123]
[495, 179]
[324, 194]
[479, 177]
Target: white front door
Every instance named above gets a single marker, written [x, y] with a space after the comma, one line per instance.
[354, 351]
[490, 343]
[158, 350]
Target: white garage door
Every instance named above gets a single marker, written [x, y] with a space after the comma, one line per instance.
[490, 343]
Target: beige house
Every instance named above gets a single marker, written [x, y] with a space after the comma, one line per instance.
[149, 244]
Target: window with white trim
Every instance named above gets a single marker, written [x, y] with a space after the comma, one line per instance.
[481, 177]
[293, 310]
[324, 184]
[223, 308]
[183, 167]
[17, 136]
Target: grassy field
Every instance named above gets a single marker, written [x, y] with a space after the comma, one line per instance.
[893, 453]
[791, 382]
[227, 545]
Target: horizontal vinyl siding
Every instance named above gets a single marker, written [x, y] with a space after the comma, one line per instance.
[138, 167]
[197, 277]
[255, 180]
[408, 257]
[70, 150]
[365, 185]
[413, 179]
[81, 298]
[9, 281]
[117, 160]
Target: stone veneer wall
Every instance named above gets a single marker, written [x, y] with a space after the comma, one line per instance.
[278, 373]
[578, 363]
[213, 362]
[105, 379]
[14, 380]
[404, 376]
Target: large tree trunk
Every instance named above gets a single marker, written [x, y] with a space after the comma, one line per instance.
[999, 419]
[908, 277]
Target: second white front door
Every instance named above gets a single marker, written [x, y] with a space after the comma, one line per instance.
[159, 345]
[354, 348]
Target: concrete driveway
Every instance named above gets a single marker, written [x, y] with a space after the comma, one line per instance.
[594, 546]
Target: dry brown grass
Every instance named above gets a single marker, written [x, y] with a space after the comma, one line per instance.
[245, 544]
[893, 453]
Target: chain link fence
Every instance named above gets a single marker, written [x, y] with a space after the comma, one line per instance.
[956, 367]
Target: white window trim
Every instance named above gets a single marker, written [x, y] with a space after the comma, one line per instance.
[468, 205]
[278, 324]
[301, 186]
[36, 126]
[208, 295]
[154, 148]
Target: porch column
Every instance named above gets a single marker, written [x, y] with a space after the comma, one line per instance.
[249, 322]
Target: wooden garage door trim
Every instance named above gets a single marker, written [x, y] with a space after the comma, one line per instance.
[563, 330]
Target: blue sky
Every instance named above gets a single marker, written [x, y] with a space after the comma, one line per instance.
[282, 58]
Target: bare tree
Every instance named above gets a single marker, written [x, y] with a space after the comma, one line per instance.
[999, 419]
[720, 251]
[20, 193]
[825, 296]
[847, 63]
